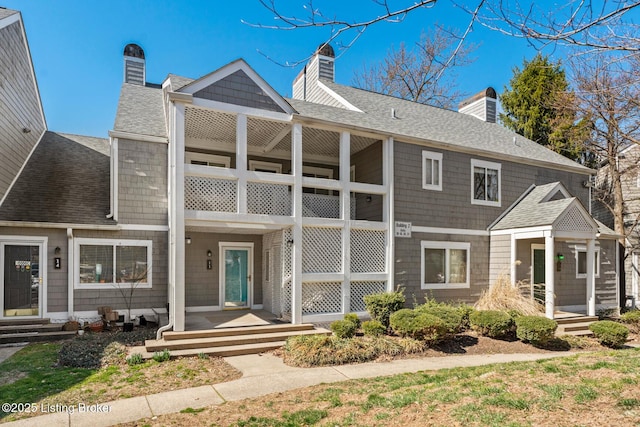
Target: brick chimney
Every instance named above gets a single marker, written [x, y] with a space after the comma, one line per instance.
[134, 65]
[320, 66]
[482, 105]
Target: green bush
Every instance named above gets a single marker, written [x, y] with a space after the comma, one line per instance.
[491, 323]
[610, 333]
[343, 328]
[465, 311]
[631, 317]
[537, 330]
[162, 356]
[373, 328]
[381, 305]
[352, 317]
[135, 359]
[452, 317]
[417, 325]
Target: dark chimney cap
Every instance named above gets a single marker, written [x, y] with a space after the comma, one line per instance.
[325, 49]
[487, 93]
[134, 50]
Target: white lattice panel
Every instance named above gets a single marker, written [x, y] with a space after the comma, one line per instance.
[321, 297]
[210, 194]
[321, 250]
[268, 199]
[360, 289]
[287, 254]
[320, 206]
[208, 124]
[368, 251]
[285, 299]
[573, 220]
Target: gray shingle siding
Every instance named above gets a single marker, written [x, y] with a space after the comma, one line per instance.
[239, 89]
[19, 105]
[142, 183]
[500, 257]
[368, 165]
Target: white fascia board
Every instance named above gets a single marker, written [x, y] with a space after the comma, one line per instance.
[59, 225]
[11, 19]
[340, 99]
[239, 109]
[231, 68]
[523, 233]
[185, 98]
[138, 137]
[457, 231]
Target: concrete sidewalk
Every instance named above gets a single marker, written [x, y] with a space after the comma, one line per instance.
[261, 375]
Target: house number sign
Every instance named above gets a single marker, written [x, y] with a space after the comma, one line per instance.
[403, 229]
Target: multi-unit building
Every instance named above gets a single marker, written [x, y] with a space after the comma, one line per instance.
[218, 193]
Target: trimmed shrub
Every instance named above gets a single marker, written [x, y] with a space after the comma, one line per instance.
[451, 316]
[343, 328]
[417, 325]
[631, 317]
[491, 323]
[352, 317]
[373, 328]
[381, 305]
[537, 330]
[610, 333]
[465, 311]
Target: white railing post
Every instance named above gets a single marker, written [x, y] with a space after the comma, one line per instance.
[241, 162]
[591, 281]
[549, 274]
[296, 267]
[345, 183]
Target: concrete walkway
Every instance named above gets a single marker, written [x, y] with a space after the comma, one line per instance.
[261, 375]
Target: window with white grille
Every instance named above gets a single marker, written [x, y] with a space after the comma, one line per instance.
[445, 265]
[485, 183]
[431, 170]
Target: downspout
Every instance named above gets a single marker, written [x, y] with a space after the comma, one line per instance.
[70, 271]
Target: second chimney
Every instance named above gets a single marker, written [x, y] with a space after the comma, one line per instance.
[481, 105]
[134, 65]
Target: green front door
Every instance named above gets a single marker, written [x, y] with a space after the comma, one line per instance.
[538, 274]
[236, 277]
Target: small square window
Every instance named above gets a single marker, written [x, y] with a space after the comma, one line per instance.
[485, 183]
[431, 170]
[445, 265]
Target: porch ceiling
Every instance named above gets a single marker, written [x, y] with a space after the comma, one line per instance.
[265, 135]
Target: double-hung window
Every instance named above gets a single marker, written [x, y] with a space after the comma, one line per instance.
[109, 263]
[445, 265]
[581, 262]
[431, 170]
[485, 183]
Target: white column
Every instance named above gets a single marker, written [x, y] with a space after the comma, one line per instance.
[591, 277]
[387, 209]
[549, 275]
[345, 182]
[296, 259]
[241, 161]
[178, 305]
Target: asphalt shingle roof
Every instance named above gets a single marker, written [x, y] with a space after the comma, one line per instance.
[140, 111]
[66, 180]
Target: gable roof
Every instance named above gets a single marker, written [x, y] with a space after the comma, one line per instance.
[4, 13]
[442, 127]
[65, 181]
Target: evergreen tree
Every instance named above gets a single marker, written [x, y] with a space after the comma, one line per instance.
[540, 106]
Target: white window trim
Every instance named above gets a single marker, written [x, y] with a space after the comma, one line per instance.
[432, 156]
[257, 164]
[315, 170]
[596, 261]
[426, 244]
[486, 165]
[114, 242]
[209, 158]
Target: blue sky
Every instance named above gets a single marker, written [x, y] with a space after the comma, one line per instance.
[77, 45]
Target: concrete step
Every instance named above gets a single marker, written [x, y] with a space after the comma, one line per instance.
[227, 332]
[31, 321]
[14, 329]
[577, 319]
[225, 351]
[36, 336]
[227, 341]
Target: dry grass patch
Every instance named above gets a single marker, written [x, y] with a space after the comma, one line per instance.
[503, 296]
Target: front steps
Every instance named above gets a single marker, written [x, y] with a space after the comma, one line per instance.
[577, 326]
[226, 341]
[31, 330]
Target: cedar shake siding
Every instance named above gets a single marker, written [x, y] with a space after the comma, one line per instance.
[21, 118]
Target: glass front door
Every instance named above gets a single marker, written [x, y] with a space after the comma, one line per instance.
[22, 280]
[538, 274]
[236, 277]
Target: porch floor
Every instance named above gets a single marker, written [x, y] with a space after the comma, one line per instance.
[559, 315]
[228, 319]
